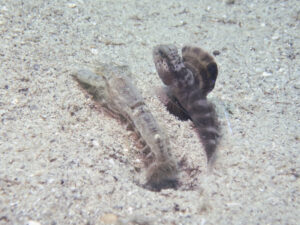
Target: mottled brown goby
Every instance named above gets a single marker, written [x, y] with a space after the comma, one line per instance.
[111, 86]
[189, 79]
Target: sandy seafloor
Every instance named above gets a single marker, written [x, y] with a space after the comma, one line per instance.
[63, 160]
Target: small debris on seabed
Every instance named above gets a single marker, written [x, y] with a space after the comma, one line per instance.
[32, 222]
[230, 2]
[297, 85]
[109, 218]
[216, 52]
[72, 5]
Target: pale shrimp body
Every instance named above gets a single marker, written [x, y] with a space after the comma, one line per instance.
[111, 86]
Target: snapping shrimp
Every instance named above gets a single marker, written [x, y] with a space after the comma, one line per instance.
[111, 86]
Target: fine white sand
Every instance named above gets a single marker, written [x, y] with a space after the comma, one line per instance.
[63, 160]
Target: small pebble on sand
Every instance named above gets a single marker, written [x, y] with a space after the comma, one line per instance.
[109, 218]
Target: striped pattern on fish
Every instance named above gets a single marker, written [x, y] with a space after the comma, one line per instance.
[189, 79]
